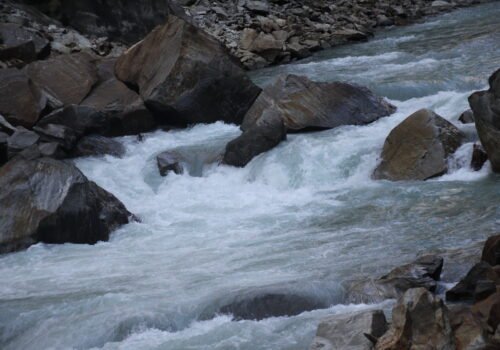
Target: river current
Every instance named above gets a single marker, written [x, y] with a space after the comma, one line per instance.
[303, 218]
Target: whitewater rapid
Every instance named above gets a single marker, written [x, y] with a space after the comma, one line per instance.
[303, 218]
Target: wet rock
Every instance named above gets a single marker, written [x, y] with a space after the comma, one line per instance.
[418, 148]
[20, 43]
[422, 273]
[123, 109]
[60, 134]
[20, 140]
[262, 306]
[479, 157]
[21, 102]
[486, 108]
[467, 117]
[81, 119]
[491, 251]
[350, 331]
[97, 145]
[419, 321]
[465, 289]
[266, 134]
[198, 83]
[92, 17]
[65, 79]
[304, 104]
[47, 200]
[169, 161]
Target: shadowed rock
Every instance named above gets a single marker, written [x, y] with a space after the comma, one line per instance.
[185, 76]
[47, 200]
[486, 107]
[465, 290]
[467, 117]
[479, 157]
[491, 251]
[81, 119]
[22, 44]
[304, 104]
[418, 148]
[96, 145]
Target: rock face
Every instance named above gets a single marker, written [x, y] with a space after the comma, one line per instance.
[46, 200]
[350, 331]
[422, 273]
[304, 104]
[418, 148]
[186, 76]
[419, 321]
[95, 18]
[486, 107]
[65, 79]
[21, 102]
[266, 134]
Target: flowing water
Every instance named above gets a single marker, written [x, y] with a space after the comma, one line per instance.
[302, 218]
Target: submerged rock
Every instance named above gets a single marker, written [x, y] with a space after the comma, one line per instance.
[423, 272]
[21, 102]
[355, 331]
[261, 137]
[304, 104]
[486, 107]
[185, 76]
[46, 200]
[169, 161]
[418, 148]
[419, 321]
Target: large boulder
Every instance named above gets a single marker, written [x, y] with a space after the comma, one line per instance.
[261, 137]
[65, 79]
[419, 321]
[355, 331]
[486, 108]
[46, 200]
[304, 104]
[123, 109]
[186, 76]
[471, 286]
[418, 148]
[421, 273]
[21, 102]
[123, 20]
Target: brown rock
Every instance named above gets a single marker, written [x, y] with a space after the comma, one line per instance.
[186, 76]
[20, 101]
[418, 148]
[465, 289]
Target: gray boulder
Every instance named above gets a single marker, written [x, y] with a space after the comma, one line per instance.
[46, 200]
[486, 107]
[186, 76]
[304, 104]
[418, 148]
[354, 331]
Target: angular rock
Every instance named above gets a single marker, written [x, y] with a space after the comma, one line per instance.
[52, 150]
[65, 79]
[266, 134]
[479, 157]
[418, 148]
[60, 134]
[422, 273]
[168, 161]
[486, 108]
[488, 310]
[20, 140]
[467, 117]
[81, 119]
[20, 43]
[21, 102]
[6, 127]
[419, 321]
[47, 200]
[96, 145]
[465, 289]
[467, 328]
[491, 251]
[350, 331]
[304, 104]
[185, 76]
[98, 19]
[123, 110]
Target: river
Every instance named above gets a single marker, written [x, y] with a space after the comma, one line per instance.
[303, 218]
